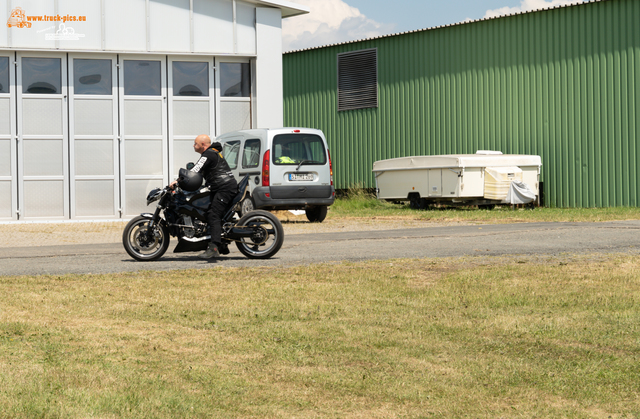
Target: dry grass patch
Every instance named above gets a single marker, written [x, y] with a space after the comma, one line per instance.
[469, 337]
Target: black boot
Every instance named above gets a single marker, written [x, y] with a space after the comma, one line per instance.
[211, 252]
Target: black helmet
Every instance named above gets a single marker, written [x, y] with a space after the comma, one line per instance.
[188, 180]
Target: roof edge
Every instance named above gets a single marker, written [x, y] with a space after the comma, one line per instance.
[466, 22]
[289, 9]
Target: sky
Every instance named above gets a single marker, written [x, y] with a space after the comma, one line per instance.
[335, 21]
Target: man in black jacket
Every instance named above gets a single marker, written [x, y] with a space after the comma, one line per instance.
[223, 186]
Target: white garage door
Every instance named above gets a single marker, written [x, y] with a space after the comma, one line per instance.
[8, 143]
[43, 167]
[235, 95]
[93, 130]
[191, 107]
[143, 118]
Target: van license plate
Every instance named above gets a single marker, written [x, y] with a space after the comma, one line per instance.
[300, 176]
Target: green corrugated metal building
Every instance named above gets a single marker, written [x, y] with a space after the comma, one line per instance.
[562, 83]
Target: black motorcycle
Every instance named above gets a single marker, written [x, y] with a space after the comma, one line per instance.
[257, 234]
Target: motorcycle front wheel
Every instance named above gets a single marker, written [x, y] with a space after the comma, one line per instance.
[267, 237]
[144, 243]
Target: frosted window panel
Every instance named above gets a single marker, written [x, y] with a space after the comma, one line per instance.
[43, 198]
[246, 18]
[142, 78]
[142, 117]
[94, 157]
[5, 157]
[235, 116]
[183, 153]
[5, 116]
[94, 197]
[190, 78]
[42, 116]
[41, 75]
[5, 199]
[143, 157]
[213, 26]
[92, 77]
[191, 118]
[93, 117]
[4, 74]
[43, 158]
[235, 79]
[136, 195]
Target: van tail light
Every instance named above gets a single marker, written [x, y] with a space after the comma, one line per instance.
[330, 167]
[265, 168]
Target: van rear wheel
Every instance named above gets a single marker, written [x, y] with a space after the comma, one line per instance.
[316, 214]
[246, 206]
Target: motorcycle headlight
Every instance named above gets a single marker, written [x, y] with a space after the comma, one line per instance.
[154, 195]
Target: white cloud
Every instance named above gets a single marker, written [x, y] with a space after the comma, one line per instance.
[330, 22]
[528, 5]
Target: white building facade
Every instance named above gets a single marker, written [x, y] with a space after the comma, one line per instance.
[100, 100]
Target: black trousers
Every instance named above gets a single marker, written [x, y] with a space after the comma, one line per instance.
[220, 200]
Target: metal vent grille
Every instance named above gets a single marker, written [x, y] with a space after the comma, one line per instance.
[358, 80]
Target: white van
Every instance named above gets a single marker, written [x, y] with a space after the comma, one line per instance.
[289, 169]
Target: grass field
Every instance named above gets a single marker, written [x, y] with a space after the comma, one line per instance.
[358, 203]
[543, 337]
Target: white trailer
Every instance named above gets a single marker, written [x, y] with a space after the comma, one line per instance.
[483, 179]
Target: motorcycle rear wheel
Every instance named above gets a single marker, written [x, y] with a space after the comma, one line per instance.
[268, 237]
[144, 244]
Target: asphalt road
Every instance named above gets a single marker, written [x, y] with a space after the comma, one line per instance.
[493, 240]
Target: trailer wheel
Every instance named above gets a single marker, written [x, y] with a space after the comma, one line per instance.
[487, 207]
[425, 204]
[414, 201]
[418, 203]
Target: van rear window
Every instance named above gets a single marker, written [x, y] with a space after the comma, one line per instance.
[296, 148]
